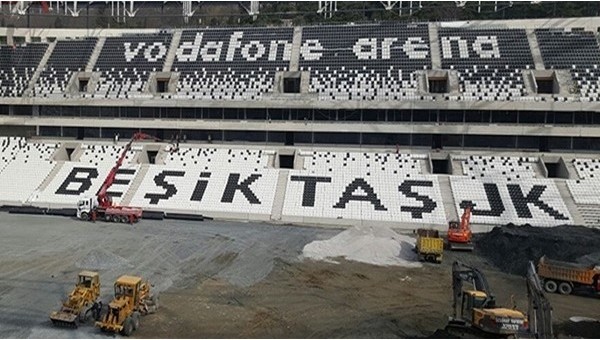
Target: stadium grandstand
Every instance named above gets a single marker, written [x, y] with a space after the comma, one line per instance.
[396, 122]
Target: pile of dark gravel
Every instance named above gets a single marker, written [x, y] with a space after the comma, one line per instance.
[511, 247]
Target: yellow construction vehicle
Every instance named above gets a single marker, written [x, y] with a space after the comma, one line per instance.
[475, 311]
[132, 299]
[82, 304]
[429, 246]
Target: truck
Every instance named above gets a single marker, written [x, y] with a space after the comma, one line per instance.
[101, 206]
[133, 298]
[430, 246]
[82, 304]
[563, 277]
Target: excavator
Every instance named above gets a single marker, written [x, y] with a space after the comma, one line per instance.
[539, 311]
[459, 236]
[101, 206]
[474, 310]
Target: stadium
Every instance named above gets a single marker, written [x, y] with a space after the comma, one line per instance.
[244, 143]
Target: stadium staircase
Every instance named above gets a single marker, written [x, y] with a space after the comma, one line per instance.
[573, 208]
[535, 49]
[590, 214]
[135, 184]
[447, 197]
[296, 43]
[279, 195]
[39, 69]
[436, 60]
[172, 51]
[95, 55]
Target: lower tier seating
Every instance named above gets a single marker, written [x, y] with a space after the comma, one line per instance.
[534, 201]
[24, 174]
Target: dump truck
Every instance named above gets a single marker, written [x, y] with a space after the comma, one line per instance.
[83, 303]
[132, 299]
[430, 246]
[563, 277]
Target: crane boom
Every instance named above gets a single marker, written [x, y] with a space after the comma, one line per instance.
[104, 200]
[101, 206]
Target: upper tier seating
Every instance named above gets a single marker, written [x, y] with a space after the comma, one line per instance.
[29, 168]
[509, 168]
[125, 63]
[17, 66]
[326, 162]
[574, 50]
[495, 72]
[383, 73]
[219, 71]
[217, 158]
[68, 56]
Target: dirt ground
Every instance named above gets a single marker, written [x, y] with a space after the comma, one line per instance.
[231, 280]
[346, 300]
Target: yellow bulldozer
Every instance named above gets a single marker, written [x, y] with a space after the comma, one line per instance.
[132, 299]
[82, 304]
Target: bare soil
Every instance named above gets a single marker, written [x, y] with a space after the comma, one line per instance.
[347, 300]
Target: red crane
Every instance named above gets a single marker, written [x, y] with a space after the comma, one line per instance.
[102, 206]
[459, 236]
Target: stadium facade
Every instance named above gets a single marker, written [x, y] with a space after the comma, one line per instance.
[441, 90]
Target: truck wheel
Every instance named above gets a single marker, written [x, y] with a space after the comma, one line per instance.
[127, 326]
[124, 219]
[565, 288]
[85, 216]
[550, 286]
[108, 218]
[116, 218]
[136, 320]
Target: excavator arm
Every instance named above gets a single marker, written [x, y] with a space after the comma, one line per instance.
[104, 200]
[462, 273]
[460, 235]
[539, 311]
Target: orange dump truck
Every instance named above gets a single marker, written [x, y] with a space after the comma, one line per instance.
[562, 277]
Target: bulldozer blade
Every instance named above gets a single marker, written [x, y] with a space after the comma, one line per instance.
[62, 319]
[64, 324]
[461, 246]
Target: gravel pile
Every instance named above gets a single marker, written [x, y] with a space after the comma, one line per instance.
[511, 247]
[374, 245]
[98, 259]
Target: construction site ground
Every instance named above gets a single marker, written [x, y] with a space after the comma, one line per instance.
[232, 279]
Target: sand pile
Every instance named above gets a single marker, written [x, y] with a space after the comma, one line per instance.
[380, 246]
[511, 247]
